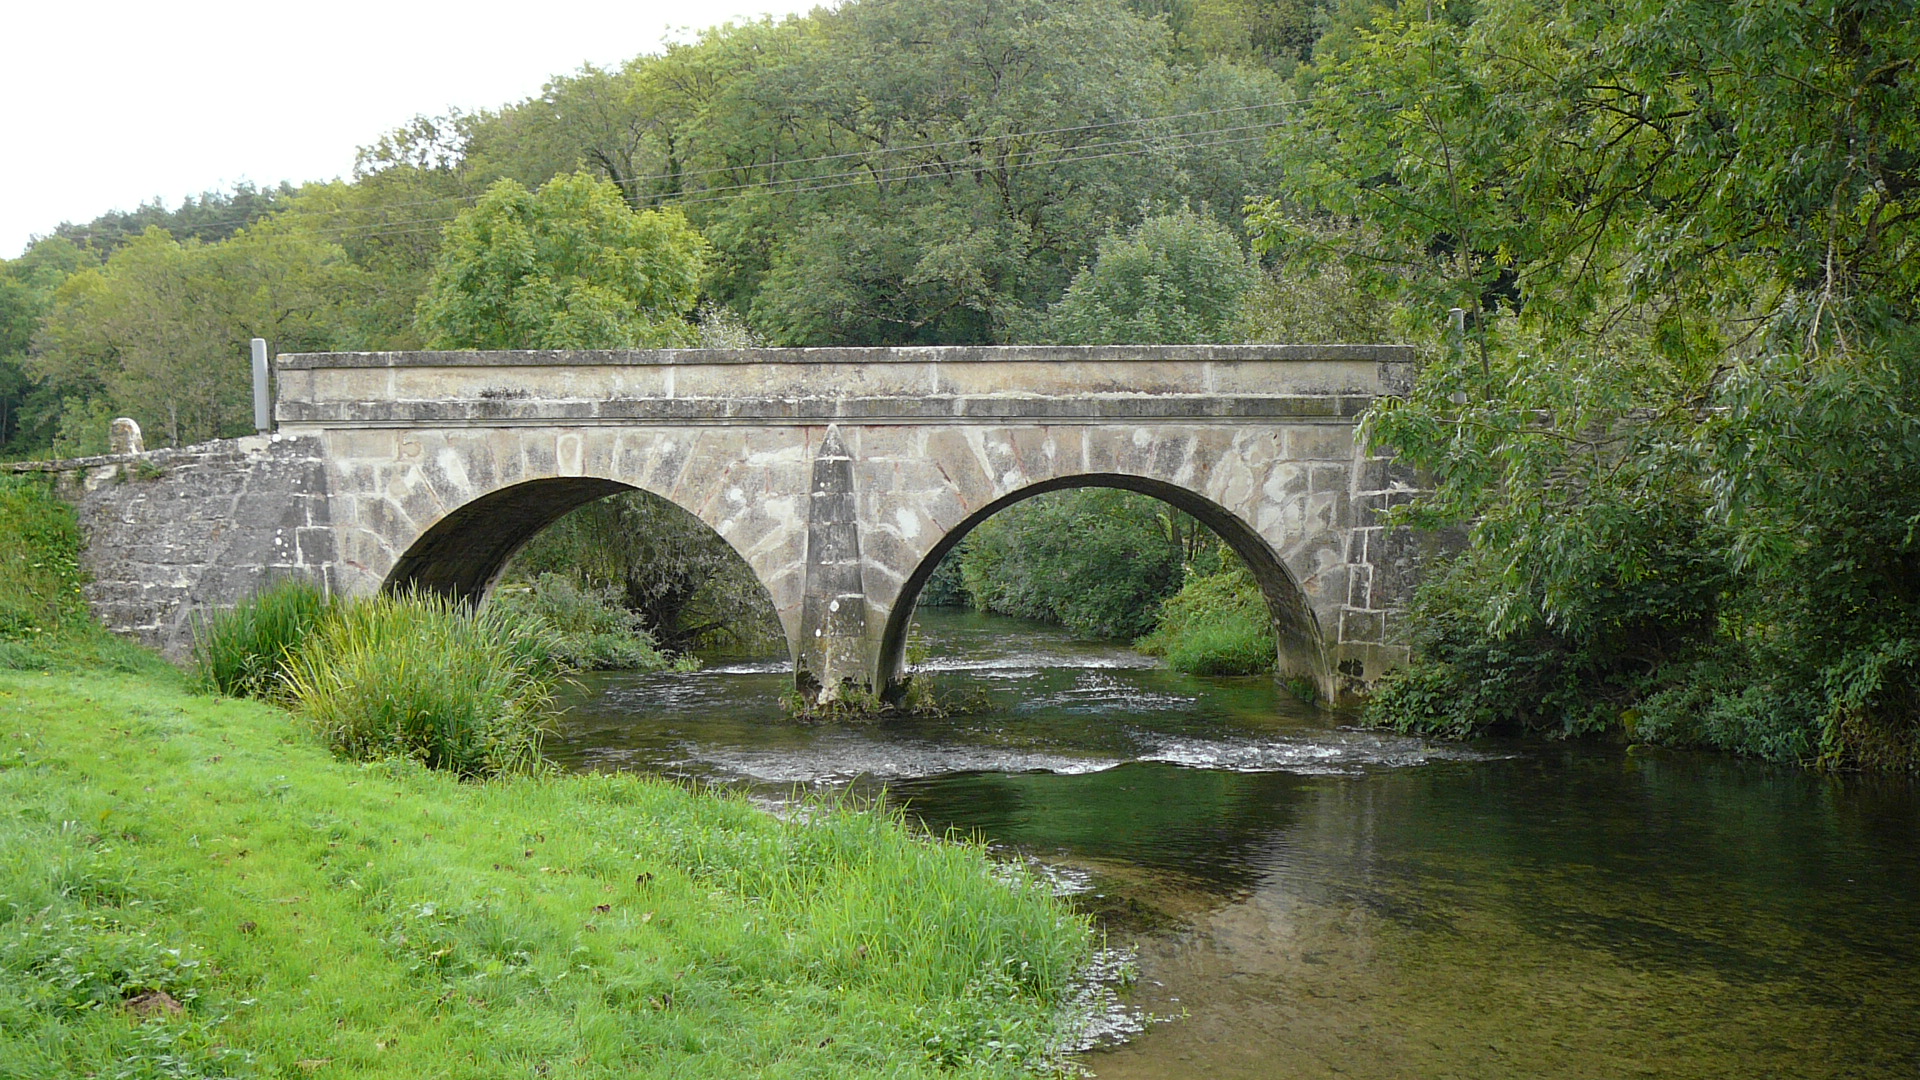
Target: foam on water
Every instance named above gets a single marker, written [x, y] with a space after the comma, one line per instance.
[1330, 753]
[842, 758]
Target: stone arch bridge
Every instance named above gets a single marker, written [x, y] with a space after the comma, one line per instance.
[841, 476]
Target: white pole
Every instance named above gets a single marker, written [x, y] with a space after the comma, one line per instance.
[262, 400]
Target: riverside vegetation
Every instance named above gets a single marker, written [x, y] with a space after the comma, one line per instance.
[1673, 429]
[192, 885]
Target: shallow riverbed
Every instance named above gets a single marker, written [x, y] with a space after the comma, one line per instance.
[1308, 900]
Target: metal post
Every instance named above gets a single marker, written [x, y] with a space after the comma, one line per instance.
[262, 399]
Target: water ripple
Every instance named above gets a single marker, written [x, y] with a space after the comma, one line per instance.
[1332, 753]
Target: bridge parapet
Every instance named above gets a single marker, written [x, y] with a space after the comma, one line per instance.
[945, 384]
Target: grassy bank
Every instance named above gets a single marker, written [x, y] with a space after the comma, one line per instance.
[314, 917]
[193, 886]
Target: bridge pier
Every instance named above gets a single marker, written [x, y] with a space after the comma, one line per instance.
[833, 649]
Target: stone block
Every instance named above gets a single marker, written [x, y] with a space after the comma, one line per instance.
[1359, 626]
[1319, 442]
[1359, 583]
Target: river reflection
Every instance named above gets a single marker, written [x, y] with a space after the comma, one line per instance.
[1312, 901]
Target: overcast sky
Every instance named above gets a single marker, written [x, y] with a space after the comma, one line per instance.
[105, 105]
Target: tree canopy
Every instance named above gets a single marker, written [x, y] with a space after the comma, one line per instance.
[1683, 236]
[1173, 278]
[568, 267]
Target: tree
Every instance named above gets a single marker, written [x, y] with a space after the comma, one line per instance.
[571, 267]
[688, 586]
[159, 331]
[211, 217]
[1685, 237]
[1173, 278]
[1097, 561]
[28, 408]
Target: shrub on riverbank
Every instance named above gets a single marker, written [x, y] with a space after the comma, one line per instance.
[1097, 561]
[1217, 624]
[188, 888]
[421, 677]
[592, 629]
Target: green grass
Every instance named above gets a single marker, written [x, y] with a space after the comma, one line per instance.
[193, 886]
[421, 677]
[316, 917]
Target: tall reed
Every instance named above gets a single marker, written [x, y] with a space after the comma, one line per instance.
[593, 631]
[422, 677]
[244, 650]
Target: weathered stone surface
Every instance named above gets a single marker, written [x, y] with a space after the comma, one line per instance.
[181, 530]
[123, 437]
[832, 650]
[841, 476]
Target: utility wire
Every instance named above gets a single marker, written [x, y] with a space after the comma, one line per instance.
[878, 150]
[431, 224]
[889, 173]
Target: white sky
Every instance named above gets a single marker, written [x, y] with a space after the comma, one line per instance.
[105, 104]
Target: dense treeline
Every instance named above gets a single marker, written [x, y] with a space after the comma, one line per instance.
[883, 172]
[1677, 423]
[1682, 423]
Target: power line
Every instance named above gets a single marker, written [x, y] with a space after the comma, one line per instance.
[430, 224]
[879, 150]
[884, 174]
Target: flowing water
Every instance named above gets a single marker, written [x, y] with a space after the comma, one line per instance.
[1308, 900]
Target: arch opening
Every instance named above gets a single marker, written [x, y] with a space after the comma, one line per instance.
[1300, 646]
[660, 561]
[461, 555]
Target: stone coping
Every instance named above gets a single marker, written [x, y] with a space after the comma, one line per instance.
[1090, 409]
[244, 444]
[932, 354]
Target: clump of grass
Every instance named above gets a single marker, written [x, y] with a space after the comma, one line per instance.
[244, 650]
[1215, 625]
[592, 630]
[421, 677]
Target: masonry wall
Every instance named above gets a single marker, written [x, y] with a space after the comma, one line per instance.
[172, 532]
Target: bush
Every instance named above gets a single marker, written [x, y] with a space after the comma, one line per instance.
[1727, 702]
[592, 630]
[1095, 560]
[419, 677]
[690, 588]
[1217, 624]
[244, 650]
[946, 586]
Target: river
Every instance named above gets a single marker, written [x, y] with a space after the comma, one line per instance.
[1308, 900]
